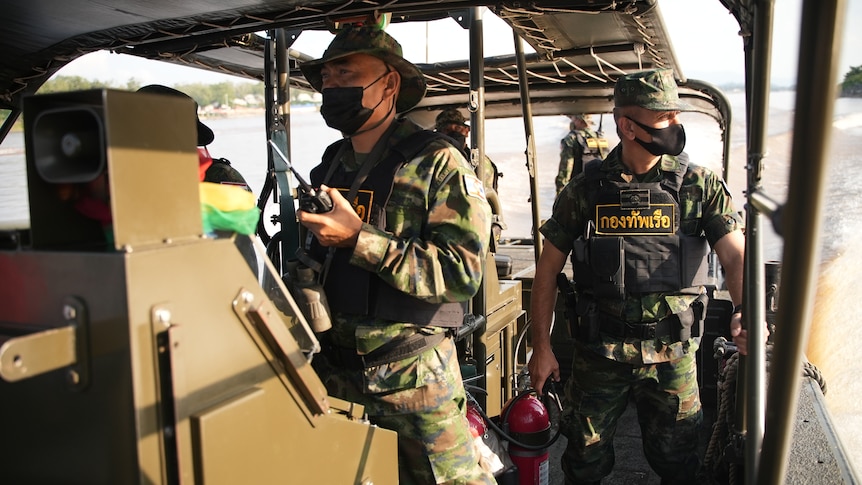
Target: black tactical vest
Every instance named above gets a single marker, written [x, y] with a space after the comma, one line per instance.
[353, 290]
[633, 243]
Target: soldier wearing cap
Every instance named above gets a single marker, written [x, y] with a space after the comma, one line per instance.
[400, 254]
[453, 124]
[580, 145]
[637, 225]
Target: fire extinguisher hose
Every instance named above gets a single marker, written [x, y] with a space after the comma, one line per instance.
[512, 440]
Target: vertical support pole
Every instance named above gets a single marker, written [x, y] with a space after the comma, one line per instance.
[476, 106]
[819, 54]
[277, 96]
[750, 388]
[526, 109]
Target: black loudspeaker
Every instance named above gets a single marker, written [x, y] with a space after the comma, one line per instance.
[111, 170]
[69, 145]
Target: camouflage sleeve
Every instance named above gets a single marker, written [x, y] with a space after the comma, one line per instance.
[719, 215]
[438, 229]
[567, 160]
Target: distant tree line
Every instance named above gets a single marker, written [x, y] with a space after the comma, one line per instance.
[205, 94]
[225, 92]
[852, 85]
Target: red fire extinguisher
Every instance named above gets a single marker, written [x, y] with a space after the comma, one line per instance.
[527, 426]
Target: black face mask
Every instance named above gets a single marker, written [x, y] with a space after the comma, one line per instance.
[342, 107]
[665, 141]
[460, 140]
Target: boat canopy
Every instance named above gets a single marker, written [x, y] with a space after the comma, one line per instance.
[580, 47]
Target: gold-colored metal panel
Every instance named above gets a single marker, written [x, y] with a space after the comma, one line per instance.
[504, 312]
[37, 353]
[153, 168]
[495, 372]
[198, 353]
[281, 350]
[216, 433]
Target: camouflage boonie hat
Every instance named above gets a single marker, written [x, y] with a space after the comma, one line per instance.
[450, 117]
[374, 42]
[654, 90]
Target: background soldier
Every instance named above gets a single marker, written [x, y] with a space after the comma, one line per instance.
[580, 145]
[453, 124]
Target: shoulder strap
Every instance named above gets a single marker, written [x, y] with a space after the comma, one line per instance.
[592, 180]
[321, 172]
[672, 181]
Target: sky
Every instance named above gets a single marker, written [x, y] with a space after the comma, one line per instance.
[708, 50]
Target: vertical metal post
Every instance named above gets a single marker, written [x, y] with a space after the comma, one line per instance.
[527, 113]
[277, 82]
[750, 389]
[819, 54]
[476, 105]
[477, 91]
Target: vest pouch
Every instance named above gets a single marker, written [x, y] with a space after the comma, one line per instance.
[606, 260]
[652, 264]
[692, 320]
[397, 306]
[695, 265]
[348, 287]
[583, 273]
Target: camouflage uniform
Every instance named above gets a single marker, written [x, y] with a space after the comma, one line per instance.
[433, 248]
[575, 151]
[659, 374]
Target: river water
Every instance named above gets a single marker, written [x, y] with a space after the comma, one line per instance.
[836, 330]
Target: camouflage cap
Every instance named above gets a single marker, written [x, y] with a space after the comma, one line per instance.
[205, 134]
[450, 117]
[654, 90]
[375, 42]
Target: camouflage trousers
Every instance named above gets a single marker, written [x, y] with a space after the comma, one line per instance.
[427, 409]
[668, 408]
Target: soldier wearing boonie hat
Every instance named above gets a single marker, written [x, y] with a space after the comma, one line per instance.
[390, 347]
[374, 42]
[638, 331]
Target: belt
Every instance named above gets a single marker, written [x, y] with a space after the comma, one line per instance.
[614, 327]
[390, 352]
[681, 326]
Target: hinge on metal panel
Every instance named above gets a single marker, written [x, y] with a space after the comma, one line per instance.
[36, 353]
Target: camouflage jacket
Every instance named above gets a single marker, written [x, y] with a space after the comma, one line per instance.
[709, 212]
[436, 237]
